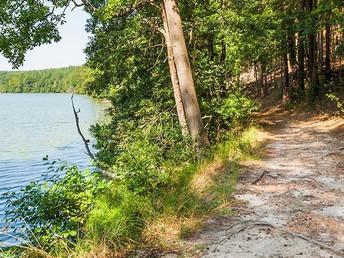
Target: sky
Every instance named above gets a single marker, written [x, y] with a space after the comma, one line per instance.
[68, 51]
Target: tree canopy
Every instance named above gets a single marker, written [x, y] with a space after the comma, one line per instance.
[25, 25]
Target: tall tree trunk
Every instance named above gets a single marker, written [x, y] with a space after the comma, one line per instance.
[258, 88]
[174, 77]
[311, 58]
[311, 46]
[275, 70]
[301, 65]
[285, 92]
[262, 78]
[301, 54]
[340, 62]
[292, 51]
[328, 46]
[185, 77]
[312, 66]
[285, 84]
[320, 49]
[223, 44]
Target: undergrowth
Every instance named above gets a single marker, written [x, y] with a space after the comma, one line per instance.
[160, 194]
[74, 213]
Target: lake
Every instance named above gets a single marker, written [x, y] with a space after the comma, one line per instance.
[33, 126]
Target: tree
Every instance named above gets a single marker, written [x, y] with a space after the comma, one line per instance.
[184, 74]
[25, 25]
[41, 28]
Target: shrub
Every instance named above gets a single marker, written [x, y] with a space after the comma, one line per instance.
[55, 207]
[236, 109]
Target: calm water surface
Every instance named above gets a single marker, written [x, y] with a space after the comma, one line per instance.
[33, 126]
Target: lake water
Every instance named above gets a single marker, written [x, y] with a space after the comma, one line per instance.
[33, 126]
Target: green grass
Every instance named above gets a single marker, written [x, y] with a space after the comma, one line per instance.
[121, 221]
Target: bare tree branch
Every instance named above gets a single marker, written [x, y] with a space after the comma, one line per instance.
[132, 7]
[84, 3]
[86, 142]
[152, 26]
[89, 153]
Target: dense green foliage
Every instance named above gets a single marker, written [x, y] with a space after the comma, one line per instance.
[59, 80]
[69, 209]
[25, 25]
[135, 77]
[55, 207]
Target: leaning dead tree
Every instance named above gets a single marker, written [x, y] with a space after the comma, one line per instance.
[86, 143]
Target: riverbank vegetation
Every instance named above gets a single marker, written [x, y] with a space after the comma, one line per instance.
[181, 111]
[83, 213]
[59, 80]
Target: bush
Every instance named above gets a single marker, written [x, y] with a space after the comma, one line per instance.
[55, 207]
[227, 113]
[236, 109]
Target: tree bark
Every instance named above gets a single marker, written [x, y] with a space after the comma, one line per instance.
[174, 77]
[291, 49]
[285, 92]
[258, 89]
[185, 76]
[262, 78]
[312, 60]
[301, 66]
[301, 55]
[328, 46]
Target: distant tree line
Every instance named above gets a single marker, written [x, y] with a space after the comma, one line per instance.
[69, 79]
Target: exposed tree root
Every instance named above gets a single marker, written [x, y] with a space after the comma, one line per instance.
[337, 252]
[249, 224]
[260, 177]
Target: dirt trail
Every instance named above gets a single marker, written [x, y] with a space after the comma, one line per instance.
[292, 201]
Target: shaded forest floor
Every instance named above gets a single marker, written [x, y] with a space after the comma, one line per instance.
[291, 202]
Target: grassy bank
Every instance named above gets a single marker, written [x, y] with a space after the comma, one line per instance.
[105, 218]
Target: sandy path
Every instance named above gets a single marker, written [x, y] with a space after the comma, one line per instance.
[292, 201]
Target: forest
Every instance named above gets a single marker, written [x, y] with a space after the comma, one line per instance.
[184, 79]
[58, 80]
